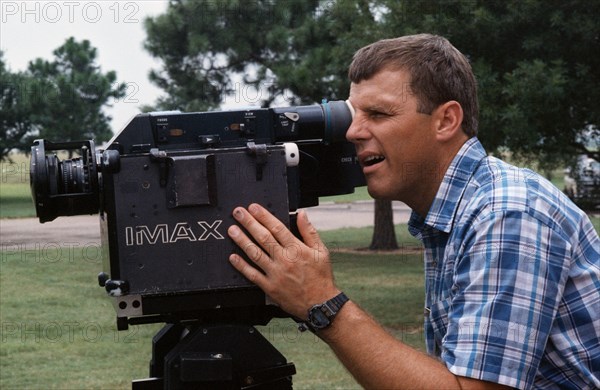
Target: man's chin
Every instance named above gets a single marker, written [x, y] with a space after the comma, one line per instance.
[379, 193]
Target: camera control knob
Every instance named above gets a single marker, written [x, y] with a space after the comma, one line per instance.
[110, 161]
[292, 154]
[116, 288]
[293, 116]
[102, 278]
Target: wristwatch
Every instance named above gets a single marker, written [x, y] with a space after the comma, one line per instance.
[320, 316]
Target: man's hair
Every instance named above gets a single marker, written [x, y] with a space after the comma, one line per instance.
[438, 72]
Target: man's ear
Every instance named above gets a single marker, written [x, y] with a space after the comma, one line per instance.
[448, 119]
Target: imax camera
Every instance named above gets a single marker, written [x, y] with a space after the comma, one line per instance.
[165, 187]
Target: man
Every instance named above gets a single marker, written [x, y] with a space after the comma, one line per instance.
[512, 273]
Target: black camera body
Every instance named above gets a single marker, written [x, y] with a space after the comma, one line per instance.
[165, 187]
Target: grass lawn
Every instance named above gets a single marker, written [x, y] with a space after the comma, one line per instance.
[58, 327]
[15, 195]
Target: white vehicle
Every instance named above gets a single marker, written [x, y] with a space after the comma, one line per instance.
[582, 182]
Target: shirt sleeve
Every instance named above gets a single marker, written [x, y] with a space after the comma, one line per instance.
[509, 276]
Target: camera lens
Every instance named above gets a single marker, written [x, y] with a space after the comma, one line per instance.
[67, 187]
[73, 176]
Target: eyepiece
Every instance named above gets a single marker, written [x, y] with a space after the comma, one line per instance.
[338, 117]
[328, 121]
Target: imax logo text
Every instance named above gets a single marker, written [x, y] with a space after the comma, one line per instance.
[163, 234]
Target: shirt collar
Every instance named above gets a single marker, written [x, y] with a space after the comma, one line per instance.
[443, 209]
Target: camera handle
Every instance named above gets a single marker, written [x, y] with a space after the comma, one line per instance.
[215, 356]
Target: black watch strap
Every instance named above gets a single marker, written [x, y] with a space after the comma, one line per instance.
[320, 316]
[336, 303]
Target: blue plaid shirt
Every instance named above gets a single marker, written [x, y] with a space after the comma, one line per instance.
[512, 277]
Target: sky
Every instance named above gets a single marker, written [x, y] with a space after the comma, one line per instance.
[33, 29]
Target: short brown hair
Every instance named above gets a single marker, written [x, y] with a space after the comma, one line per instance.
[438, 72]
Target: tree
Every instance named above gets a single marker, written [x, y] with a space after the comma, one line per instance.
[74, 92]
[534, 61]
[296, 48]
[384, 235]
[535, 66]
[18, 104]
[61, 100]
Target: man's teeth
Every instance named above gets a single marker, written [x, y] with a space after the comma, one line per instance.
[371, 160]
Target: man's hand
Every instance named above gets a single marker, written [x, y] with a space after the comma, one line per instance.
[295, 274]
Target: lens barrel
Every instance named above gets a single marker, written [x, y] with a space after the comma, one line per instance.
[67, 187]
[328, 121]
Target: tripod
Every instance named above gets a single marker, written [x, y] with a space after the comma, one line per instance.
[215, 357]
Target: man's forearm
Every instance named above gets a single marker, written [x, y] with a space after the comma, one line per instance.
[379, 361]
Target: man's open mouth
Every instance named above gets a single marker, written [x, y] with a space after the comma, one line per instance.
[372, 160]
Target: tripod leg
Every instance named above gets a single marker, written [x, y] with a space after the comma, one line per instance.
[162, 343]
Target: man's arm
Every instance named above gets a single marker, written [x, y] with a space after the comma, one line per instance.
[379, 361]
[298, 275]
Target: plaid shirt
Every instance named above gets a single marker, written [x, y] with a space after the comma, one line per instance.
[512, 277]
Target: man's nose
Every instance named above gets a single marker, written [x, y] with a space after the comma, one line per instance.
[357, 130]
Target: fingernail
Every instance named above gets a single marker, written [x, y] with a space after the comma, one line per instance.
[238, 214]
[254, 209]
[233, 231]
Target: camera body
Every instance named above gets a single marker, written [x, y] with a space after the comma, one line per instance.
[165, 187]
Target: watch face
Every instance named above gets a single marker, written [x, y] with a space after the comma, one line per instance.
[318, 319]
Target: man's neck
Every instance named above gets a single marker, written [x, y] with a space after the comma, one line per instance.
[421, 202]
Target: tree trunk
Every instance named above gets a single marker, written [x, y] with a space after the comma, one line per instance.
[384, 234]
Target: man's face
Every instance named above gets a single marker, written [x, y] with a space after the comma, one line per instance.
[395, 144]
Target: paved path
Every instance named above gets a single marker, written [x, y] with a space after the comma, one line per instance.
[84, 229]
[357, 214]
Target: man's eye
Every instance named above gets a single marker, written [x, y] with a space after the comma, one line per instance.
[377, 114]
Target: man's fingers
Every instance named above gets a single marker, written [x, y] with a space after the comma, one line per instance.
[274, 226]
[253, 251]
[275, 241]
[268, 231]
[251, 273]
[310, 236]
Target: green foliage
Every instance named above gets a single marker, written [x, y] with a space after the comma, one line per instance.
[535, 65]
[17, 105]
[60, 99]
[534, 59]
[298, 49]
[76, 90]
